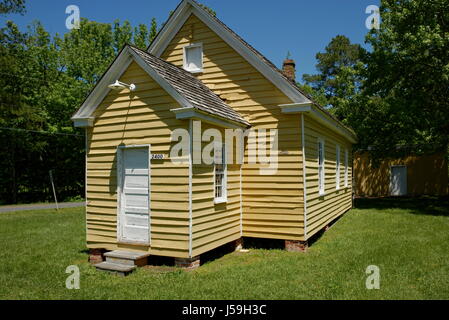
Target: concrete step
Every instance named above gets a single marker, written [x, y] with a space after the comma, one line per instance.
[119, 269]
[128, 258]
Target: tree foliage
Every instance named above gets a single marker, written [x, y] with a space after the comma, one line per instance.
[339, 79]
[43, 81]
[395, 95]
[12, 6]
[408, 69]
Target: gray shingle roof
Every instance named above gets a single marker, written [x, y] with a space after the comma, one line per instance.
[192, 89]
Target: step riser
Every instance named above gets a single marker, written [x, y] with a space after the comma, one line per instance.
[138, 262]
[119, 269]
[120, 261]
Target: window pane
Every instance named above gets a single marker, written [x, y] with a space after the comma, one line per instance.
[321, 174]
[193, 58]
[220, 171]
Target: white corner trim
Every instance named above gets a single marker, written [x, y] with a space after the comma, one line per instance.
[241, 202]
[320, 116]
[193, 113]
[86, 167]
[304, 173]
[190, 186]
[182, 13]
[337, 167]
[83, 122]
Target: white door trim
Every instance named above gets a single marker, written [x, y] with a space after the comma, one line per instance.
[119, 171]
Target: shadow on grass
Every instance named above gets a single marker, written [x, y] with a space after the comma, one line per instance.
[425, 205]
[248, 243]
[260, 243]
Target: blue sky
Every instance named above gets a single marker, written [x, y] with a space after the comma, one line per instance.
[303, 27]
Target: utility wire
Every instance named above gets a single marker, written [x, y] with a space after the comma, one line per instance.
[43, 132]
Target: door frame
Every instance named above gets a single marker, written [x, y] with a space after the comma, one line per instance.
[391, 178]
[120, 180]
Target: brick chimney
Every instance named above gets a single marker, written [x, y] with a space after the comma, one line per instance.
[288, 68]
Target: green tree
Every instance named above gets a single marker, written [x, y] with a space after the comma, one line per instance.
[12, 6]
[153, 29]
[43, 81]
[29, 64]
[339, 79]
[141, 36]
[408, 70]
[318, 95]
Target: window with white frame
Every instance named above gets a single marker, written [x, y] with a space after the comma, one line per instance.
[220, 175]
[337, 167]
[321, 160]
[193, 57]
[346, 168]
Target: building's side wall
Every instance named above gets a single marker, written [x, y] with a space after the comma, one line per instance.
[426, 175]
[214, 224]
[137, 118]
[323, 209]
[272, 205]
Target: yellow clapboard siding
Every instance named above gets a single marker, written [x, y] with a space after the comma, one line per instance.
[281, 232]
[143, 118]
[270, 206]
[204, 247]
[207, 237]
[211, 223]
[321, 209]
[219, 222]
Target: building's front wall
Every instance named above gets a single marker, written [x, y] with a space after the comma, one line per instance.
[322, 209]
[185, 221]
[272, 204]
[138, 118]
[426, 175]
[214, 224]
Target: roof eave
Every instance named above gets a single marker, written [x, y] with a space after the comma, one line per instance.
[194, 113]
[100, 91]
[83, 122]
[320, 116]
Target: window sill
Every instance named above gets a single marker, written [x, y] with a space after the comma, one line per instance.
[194, 71]
[220, 200]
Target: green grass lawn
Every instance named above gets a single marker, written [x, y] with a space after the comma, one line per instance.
[407, 239]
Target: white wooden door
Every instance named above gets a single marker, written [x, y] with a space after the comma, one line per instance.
[134, 198]
[398, 181]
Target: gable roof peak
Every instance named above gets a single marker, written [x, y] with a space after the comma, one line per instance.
[188, 91]
[187, 7]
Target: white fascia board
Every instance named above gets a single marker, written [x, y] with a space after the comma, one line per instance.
[83, 117]
[185, 10]
[83, 123]
[193, 113]
[100, 91]
[318, 115]
[296, 107]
